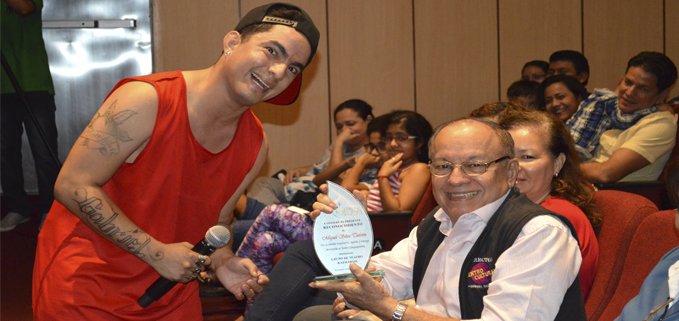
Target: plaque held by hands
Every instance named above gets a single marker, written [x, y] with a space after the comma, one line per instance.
[344, 236]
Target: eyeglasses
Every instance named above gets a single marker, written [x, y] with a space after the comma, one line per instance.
[370, 147]
[399, 138]
[444, 168]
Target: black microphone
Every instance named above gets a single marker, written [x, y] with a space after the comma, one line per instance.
[216, 237]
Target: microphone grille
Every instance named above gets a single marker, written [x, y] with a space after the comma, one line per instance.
[218, 236]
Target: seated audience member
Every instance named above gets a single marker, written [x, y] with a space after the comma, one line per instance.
[549, 175]
[627, 135]
[661, 283]
[351, 120]
[561, 95]
[524, 93]
[571, 63]
[535, 70]
[338, 171]
[489, 252]
[401, 183]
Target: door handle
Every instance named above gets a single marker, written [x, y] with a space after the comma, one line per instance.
[89, 24]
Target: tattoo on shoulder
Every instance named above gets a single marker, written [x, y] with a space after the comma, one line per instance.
[135, 241]
[103, 133]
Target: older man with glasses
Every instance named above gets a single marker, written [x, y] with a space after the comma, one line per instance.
[487, 253]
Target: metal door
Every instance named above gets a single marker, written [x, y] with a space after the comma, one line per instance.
[91, 44]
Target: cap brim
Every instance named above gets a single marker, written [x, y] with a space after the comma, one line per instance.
[289, 95]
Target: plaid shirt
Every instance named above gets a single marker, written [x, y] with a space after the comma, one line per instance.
[597, 114]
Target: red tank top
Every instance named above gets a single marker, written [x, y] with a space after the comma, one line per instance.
[174, 190]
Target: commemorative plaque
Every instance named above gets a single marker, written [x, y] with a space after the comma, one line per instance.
[345, 236]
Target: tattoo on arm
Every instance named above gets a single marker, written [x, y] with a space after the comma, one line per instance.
[135, 241]
[103, 133]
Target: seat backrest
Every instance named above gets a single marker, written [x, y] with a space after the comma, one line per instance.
[654, 191]
[655, 237]
[622, 214]
[427, 203]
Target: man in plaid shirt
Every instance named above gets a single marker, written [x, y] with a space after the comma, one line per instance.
[598, 114]
[630, 145]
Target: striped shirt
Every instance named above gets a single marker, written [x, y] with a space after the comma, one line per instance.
[374, 199]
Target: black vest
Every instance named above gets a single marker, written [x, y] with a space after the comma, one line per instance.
[477, 269]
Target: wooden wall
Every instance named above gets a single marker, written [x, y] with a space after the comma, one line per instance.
[441, 58]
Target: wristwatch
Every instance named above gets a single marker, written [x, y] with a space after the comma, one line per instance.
[400, 310]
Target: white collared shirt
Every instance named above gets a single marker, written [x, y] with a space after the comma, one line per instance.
[529, 281]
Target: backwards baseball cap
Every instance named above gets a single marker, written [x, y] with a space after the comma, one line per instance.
[303, 25]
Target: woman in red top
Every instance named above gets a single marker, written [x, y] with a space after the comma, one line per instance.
[549, 175]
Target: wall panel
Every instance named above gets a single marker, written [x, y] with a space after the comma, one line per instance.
[672, 35]
[456, 57]
[533, 30]
[188, 37]
[615, 31]
[371, 53]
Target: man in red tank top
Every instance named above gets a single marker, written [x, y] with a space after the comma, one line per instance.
[163, 160]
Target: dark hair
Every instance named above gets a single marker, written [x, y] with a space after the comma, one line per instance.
[414, 124]
[289, 14]
[672, 180]
[492, 110]
[377, 124]
[577, 59]
[362, 108]
[537, 63]
[569, 182]
[505, 138]
[523, 88]
[657, 65]
[573, 85]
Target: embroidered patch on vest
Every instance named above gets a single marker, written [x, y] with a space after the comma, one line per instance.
[481, 273]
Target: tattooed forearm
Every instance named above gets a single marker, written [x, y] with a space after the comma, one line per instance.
[103, 132]
[135, 241]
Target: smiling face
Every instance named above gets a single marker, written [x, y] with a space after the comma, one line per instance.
[265, 64]
[560, 101]
[638, 90]
[470, 141]
[348, 119]
[537, 166]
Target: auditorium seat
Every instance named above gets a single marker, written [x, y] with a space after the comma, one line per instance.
[622, 214]
[426, 205]
[655, 237]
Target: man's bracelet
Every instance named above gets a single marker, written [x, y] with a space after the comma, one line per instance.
[400, 310]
